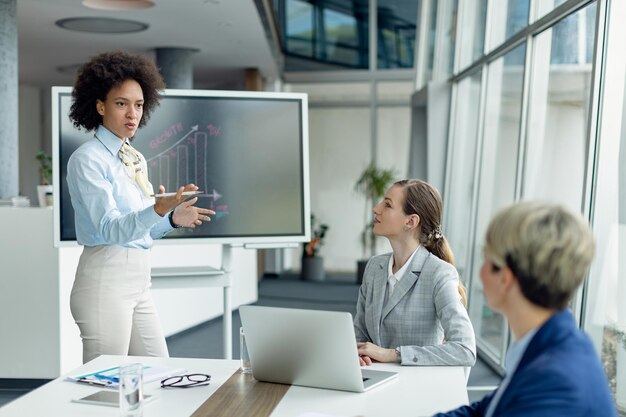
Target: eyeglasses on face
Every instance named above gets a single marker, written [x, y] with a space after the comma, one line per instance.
[186, 381]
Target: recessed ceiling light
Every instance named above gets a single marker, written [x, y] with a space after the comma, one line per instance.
[101, 25]
[118, 4]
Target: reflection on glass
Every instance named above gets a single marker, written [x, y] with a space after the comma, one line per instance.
[340, 31]
[472, 40]
[319, 35]
[299, 24]
[496, 184]
[430, 43]
[558, 113]
[331, 35]
[462, 167]
[449, 36]
[396, 33]
[507, 18]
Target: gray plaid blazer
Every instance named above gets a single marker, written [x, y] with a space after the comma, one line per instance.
[424, 316]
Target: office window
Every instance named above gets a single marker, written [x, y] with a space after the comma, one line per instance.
[463, 145]
[605, 317]
[396, 33]
[496, 185]
[340, 38]
[448, 40]
[507, 18]
[543, 7]
[557, 145]
[472, 37]
[442, 34]
[299, 24]
[320, 35]
[430, 42]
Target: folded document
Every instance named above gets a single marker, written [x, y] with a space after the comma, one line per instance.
[109, 378]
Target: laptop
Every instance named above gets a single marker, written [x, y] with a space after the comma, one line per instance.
[306, 347]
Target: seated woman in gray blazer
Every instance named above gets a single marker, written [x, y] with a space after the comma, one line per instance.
[411, 303]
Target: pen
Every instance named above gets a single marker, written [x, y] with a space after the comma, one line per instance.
[90, 382]
[171, 194]
[107, 378]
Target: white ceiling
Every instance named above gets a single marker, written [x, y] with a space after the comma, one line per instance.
[228, 33]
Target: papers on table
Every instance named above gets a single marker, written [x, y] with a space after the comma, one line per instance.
[109, 378]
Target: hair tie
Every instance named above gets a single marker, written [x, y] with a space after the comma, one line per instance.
[435, 234]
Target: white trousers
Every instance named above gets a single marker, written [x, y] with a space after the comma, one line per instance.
[112, 304]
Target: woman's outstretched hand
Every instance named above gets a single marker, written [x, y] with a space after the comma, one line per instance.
[185, 213]
[164, 205]
[188, 215]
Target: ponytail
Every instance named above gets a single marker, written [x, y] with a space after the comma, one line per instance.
[424, 200]
[437, 244]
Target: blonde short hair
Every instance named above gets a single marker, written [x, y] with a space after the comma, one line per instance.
[547, 247]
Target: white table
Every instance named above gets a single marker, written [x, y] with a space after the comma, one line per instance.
[418, 391]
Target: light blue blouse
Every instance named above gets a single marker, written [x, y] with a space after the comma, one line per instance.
[109, 207]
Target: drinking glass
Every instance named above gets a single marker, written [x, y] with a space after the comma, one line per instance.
[246, 365]
[131, 390]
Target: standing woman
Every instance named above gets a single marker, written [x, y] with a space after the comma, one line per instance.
[411, 303]
[116, 216]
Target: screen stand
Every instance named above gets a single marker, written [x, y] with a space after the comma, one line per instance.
[203, 277]
[227, 325]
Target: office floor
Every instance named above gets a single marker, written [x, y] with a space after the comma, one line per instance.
[339, 292]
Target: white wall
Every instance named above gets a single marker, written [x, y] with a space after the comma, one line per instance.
[29, 129]
[340, 148]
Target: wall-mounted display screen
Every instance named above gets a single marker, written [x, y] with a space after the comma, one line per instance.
[248, 153]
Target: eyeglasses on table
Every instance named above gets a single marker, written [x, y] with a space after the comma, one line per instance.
[186, 381]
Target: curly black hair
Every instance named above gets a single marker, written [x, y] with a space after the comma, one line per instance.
[106, 71]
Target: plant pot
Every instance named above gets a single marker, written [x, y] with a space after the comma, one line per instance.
[313, 268]
[44, 195]
[360, 270]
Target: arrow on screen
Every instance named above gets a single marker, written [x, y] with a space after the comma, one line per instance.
[215, 195]
[193, 129]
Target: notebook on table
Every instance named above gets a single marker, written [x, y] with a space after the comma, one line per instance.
[306, 347]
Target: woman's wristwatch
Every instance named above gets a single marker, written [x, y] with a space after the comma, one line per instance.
[171, 218]
[398, 354]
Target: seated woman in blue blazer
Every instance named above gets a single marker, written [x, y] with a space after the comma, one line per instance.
[410, 307]
[536, 255]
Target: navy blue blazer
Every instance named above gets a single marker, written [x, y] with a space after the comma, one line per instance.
[560, 375]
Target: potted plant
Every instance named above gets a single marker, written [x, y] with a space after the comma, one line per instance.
[44, 189]
[372, 184]
[312, 263]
